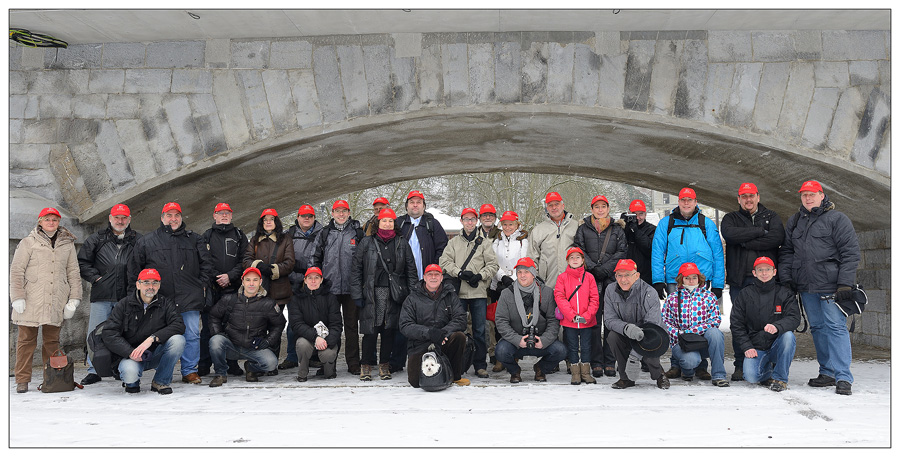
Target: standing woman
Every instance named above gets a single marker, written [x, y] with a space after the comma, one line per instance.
[379, 259]
[45, 288]
[510, 246]
[272, 253]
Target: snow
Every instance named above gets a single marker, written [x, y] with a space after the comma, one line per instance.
[450, 223]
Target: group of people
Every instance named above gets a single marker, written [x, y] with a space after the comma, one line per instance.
[584, 291]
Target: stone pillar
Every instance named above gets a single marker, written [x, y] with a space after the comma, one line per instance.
[873, 327]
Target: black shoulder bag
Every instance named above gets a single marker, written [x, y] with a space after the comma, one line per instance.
[399, 288]
[454, 281]
[689, 342]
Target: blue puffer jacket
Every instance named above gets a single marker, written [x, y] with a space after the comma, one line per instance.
[686, 244]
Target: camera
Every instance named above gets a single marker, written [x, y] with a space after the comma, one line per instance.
[629, 218]
[579, 319]
[530, 339]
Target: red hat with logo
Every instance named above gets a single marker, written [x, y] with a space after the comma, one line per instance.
[599, 198]
[637, 205]
[387, 213]
[433, 267]
[487, 208]
[573, 250]
[223, 207]
[171, 206]
[763, 261]
[468, 210]
[552, 197]
[526, 262]
[251, 270]
[381, 200]
[47, 211]
[313, 271]
[625, 264]
[149, 273]
[120, 210]
[415, 193]
[811, 186]
[269, 212]
[687, 192]
[688, 269]
[341, 204]
[747, 188]
[509, 216]
[306, 209]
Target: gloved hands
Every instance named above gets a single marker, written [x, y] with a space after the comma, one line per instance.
[634, 332]
[660, 289]
[473, 282]
[260, 343]
[465, 275]
[265, 269]
[598, 273]
[360, 303]
[790, 284]
[717, 291]
[506, 281]
[844, 293]
[69, 310]
[435, 335]
[19, 305]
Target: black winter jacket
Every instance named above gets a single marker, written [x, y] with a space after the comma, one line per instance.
[242, 319]
[366, 266]
[309, 307]
[421, 313]
[591, 242]
[226, 244]
[431, 242]
[334, 254]
[304, 249]
[103, 261]
[638, 244]
[747, 238]
[755, 307]
[128, 324]
[182, 260]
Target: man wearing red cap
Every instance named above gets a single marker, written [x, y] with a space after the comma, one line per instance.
[763, 317]
[488, 216]
[103, 261]
[371, 225]
[550, 239]
[639, 237]
[750, 232]
[819, 259]
[181, 258]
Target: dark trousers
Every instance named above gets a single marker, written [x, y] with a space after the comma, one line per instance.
[369, 343]
[216, 293]
[738, 353]
[621, 348]
[601, 355]
[351, 330]
[399, 353]
[454, 348]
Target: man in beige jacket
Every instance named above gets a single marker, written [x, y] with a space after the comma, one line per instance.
[550, 239]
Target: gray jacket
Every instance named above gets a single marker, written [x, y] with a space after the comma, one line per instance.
[509, 323]
[334, 254]
[641, 307]
[304, 249]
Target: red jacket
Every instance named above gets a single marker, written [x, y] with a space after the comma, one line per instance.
[585, 302]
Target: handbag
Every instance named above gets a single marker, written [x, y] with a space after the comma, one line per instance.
[454, 280]
[491, 313]
[59, 374]
[399, 289]
[689, 342]
[435, 371]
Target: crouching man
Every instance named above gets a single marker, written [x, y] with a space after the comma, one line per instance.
[526, 319]
[763, 317]
[244, 326]
[433, 314]
[145, 330]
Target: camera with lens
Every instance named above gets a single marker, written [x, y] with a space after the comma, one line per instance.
[530, 338]
[629, 218]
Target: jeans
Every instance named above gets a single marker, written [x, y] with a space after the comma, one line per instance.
[221, 348]
[507, 354]
[477, 308]
[191, 356]
[163, 360]
[780, 355]
[99, 313]
[291, 346]
[715, 351]
[673, 362]
[831, 338]
[733, 292]
[573, 337]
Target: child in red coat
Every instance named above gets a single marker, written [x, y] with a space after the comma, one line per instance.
[577, 302]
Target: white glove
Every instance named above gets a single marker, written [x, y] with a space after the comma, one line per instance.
[19, 305]
[69, 311]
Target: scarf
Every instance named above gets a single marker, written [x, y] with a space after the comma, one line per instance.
[470, 236]
[600, 224]
[690, 288]
[386, 235]
[520, 303]
[340, 227]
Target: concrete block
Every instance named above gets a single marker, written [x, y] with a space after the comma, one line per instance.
[76, 56]
[353, 80]
[123, 55]
[29, 156]
[403, 82]
[18, 82]
[883, 161]
[176, 54]
[106, 81]
[179, 115]
[431, 76]
[796, 101]
[47, 82]
[454, 63]
[218, 53]
[147, 81]
[32, 59]
[718, 88]
[638, 72]
[854, 45]
[281, 104]
[481, 72]
[77, 81]
[54, 106]
[303, 88]
[664, 76]
[113, 156]
[864, 73]
[744, 89]
[884, 73]
[328, 84]
[41, 131]
[256, 105]
[91, 106]
[407, 44]
[191, 81]
[608, 43]
[559, 72]
[159, 135]
[586, 76]
[15, 58]
[769, 98]
[136, 149]
[376, 62]
[292, 54]
[23, 106]
[832, 74]
[873, 125]
[16, 131]
[249, 54]
[808, 44]
[612, 80]
[534, 71]
[730, 46]
[877, 301]
[818, 121]
[877, 258]
[231, 112]
[845, 126]
[772, 46]
[869, 322]
[508, 71]
[92, 170]
[78, 130]
[208, 124]
[123, 106]
[38, 181]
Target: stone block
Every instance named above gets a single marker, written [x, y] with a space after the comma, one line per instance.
[607, 43]
[769, 98]
[455, 67]
[208, 124]
[78, 130]
[586, 76]
[637, 75]
[877, 258]
[796, 101]
[873, 125]
[16, 130]
[832, 74]
[846, 121]
[353, 80]
[854, 45]
[559, 71]
[218, 53]
[867, 279]
[877, 301]
[256, 105]
[76, 81]
[113, 156]
[91, 106]
[47, 82]
[869, 322]
[431, 75]
[303, 88]
[407, 44]
[403, 83]
[18, 82]
[37, 181]
[15, 58]
[123, 55]
[772, 46]
[664, 76]
[612, 80]
[76, 56]
[92, 170]
[821, 113]
[250, 54]
[883, 161]
[23, 107]
[70, 185]
[534, 69]
[328, 84]
[147, 81]
[41, 131]
[808, 44]
[228, 99]
[32, 59]
[136, 149]
[281, 105]
[730, 46]
[508, 71]
[718, 89]
[864, 73]
[292, 54]
[191, 81]
[181, 124]
[29, 156]
[744, 89]
[376, 61]
[106, 81]
[54, 106]
[176, 54]
[481, 72]
[692, 75]
[123, 106]
[159, 134]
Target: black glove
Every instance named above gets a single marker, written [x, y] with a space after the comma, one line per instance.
[435, 335]
[598, 273]
[474, 281]
[465, 275]
[660, 289]
[260, 343]
[265, 269]
[844, 293]
[360, 303]
[717, 291]
[506, 281]
[790, 285]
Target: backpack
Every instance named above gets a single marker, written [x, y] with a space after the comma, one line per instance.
[435, 371]
[59, 374]
[701, 224]
[101, 357]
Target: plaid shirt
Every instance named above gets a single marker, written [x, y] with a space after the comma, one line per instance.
[699, 313]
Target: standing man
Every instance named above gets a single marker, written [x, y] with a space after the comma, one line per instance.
[334, 256]
[488, 217]
[639, 237]
[182, 260]
[819, 259]
[103, 261]
[751, 232]
[371, 225]
[550, 239]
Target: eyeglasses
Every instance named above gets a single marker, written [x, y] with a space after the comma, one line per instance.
[469, 219]
[625, 275]
[307, 215]
[149, 282]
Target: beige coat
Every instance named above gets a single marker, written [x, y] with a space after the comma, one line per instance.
[46, 277]
[484, 262]
[547, 246]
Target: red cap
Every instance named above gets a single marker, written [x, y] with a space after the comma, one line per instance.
[251, 270]
[340, 204]
[149, 273]
[387, 213]
[47, 211]
[120, 210]
[434, 267]
[811, 186]
[171, 206]
[223, 207]
[747, 188]
[526, 262]
[468, 210]
[687, 192]
[313, 271]
[573, 250]
[381, 200]
[599, 198]
[487, 208]
[306, 209]
[626, 264]
[552, 197]
[637, 205]
[688, 269]
[268, 212]
[509, 216]
[415, 193]
[763, 260]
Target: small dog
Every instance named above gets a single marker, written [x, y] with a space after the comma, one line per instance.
[430, 364]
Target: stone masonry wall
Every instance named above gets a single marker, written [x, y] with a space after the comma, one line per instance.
[873, 327]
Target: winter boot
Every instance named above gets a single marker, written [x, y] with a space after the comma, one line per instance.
[250, 375]
[586, 373]
[821, 381]
[384, 371]
[365, 372]
[738, 375]
[673, 372]
[576, 373]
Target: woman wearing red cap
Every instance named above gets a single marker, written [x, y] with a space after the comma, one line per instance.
[45, 288]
